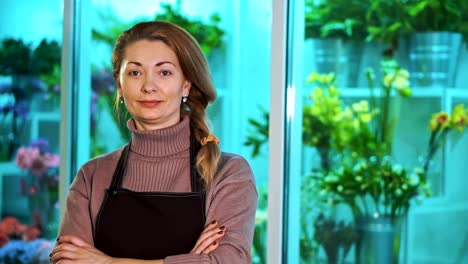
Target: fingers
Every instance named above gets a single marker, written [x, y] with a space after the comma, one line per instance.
[73, 240]
[63, 251]
[209, 236]
[211, 247]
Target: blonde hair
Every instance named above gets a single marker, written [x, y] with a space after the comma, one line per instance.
[195, 69]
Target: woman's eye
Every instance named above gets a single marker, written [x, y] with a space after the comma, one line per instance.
[134, 73]
[165, 73]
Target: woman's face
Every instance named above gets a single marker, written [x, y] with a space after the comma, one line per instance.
[152, 84]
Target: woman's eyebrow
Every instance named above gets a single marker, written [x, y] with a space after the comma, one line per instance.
[164, 62]
[135, 62]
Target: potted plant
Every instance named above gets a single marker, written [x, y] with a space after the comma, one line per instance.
[435, 40]
[337, 31]
[434, 30]
[36, 71]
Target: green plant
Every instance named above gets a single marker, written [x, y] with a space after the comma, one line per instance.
[437, 15]
[258, 135]
[374, 186]
[15, 56]
[361, 136]
[19, 58]
[337, 18]
[408, 16]
[384, 26]
[332, 128]
[209, 34]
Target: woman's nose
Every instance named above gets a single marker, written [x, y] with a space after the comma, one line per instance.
[150, 84]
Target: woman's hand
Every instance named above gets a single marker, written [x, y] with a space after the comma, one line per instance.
[71, 249]
[208, 240]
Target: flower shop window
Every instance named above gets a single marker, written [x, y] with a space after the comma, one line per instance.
[383, 127]
[30, 76]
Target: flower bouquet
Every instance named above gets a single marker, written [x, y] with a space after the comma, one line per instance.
[354, 143]
[40, 184]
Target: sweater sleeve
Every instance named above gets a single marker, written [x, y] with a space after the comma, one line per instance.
[77, 218]
[232, 202]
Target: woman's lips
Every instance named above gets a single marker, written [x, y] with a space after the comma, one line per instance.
[149, 103]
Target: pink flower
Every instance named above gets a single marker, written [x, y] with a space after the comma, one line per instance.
[21, 158]
[38, 166]
[51, 160]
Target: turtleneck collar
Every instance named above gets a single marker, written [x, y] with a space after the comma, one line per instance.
[161, 142]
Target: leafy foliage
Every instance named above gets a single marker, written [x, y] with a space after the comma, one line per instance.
[259, 134]
[337, 18]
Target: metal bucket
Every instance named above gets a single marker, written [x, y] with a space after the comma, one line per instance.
[379, 240]
[327, 54]
[343, 58]
[352, 54]
[433, 58]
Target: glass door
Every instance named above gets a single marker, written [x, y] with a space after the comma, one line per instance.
[374, 129]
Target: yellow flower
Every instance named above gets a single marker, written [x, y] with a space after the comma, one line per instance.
[438, 121]
[403, 73]
[313, 77]
[317, 92]
[414, 179]
[361, 106]
[334, 92]
[366, 118]
[327, 78]
[388, 79]
[459, 118]
[400, 83]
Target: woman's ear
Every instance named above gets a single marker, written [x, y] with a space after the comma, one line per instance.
[186, 87]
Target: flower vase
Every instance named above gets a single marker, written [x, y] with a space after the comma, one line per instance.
[335, 237]
[379, 240]
[44, 213]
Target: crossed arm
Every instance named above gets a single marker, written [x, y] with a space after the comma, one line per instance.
[72, 249]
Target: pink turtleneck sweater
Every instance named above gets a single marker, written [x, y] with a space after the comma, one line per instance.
[159, 161]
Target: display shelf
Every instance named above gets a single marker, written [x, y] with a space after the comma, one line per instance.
[416, 92]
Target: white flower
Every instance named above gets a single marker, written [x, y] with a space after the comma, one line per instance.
[414, 179]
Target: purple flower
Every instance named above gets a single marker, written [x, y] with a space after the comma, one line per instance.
[103, 82]
[42, 144]
[21, 109]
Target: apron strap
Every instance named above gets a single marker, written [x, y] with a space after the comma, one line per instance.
[120, 170]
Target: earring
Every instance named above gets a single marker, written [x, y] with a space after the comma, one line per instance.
[184, 99]
[121, 100]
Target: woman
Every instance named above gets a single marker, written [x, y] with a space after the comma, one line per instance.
[151, 201]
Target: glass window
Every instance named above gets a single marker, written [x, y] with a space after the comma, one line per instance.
[382, 121]
[30, 86]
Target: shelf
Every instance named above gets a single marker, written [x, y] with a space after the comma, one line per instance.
[416, 92]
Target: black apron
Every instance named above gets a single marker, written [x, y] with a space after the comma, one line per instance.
[150, 225]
